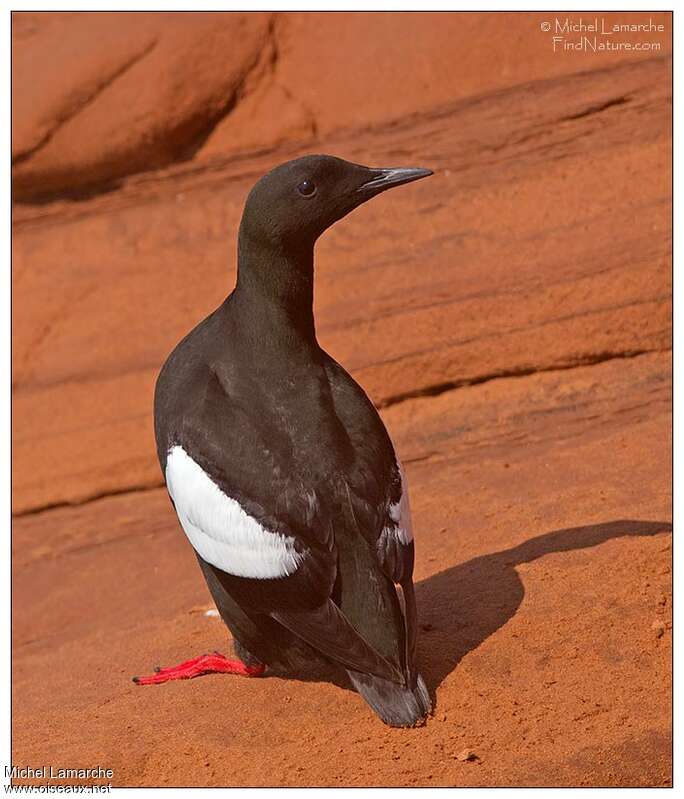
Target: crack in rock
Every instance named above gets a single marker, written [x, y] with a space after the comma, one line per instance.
[436, 389]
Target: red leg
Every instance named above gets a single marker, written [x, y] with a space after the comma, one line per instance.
[204, 664]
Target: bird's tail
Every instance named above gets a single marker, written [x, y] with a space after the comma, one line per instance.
[397, 705]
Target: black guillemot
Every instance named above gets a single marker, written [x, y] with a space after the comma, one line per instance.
[281, 472]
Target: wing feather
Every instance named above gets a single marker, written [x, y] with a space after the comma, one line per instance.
[326, 628]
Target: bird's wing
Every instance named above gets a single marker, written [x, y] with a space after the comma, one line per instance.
[327, 629]
[279, 573]
[388, 530]
[278, 555]
[376, 488]
[377, 495]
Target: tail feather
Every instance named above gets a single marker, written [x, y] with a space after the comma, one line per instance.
[396, 705]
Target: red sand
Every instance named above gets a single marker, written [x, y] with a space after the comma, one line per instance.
[514, 325]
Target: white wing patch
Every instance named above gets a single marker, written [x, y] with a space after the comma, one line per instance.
[220, 530]
[400, 512]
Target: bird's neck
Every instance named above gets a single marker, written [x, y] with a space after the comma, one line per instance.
[274, 293]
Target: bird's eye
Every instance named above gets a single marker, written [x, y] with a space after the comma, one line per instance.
[306, 188]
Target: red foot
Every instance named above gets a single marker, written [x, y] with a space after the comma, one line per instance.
[204, 664]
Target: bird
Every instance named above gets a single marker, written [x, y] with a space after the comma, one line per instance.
[281, 472]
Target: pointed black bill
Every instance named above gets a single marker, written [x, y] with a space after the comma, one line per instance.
[382, 179]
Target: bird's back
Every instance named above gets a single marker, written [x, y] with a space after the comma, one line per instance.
[314, 433]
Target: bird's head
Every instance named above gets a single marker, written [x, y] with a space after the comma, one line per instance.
[294, 203]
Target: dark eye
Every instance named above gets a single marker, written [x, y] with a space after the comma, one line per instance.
[306, 188]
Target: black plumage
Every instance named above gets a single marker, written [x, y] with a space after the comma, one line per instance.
[281, 428]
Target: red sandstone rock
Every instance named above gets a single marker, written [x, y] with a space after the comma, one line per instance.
[129, 103]
[101, 95]
[542, 241]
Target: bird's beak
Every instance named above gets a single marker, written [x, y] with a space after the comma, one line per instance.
[381, 179]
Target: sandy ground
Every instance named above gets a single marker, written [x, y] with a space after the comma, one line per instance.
[511, 318]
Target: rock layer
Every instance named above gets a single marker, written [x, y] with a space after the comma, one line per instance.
[542, 241]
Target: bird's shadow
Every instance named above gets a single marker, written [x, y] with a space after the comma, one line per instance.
[462, 606]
